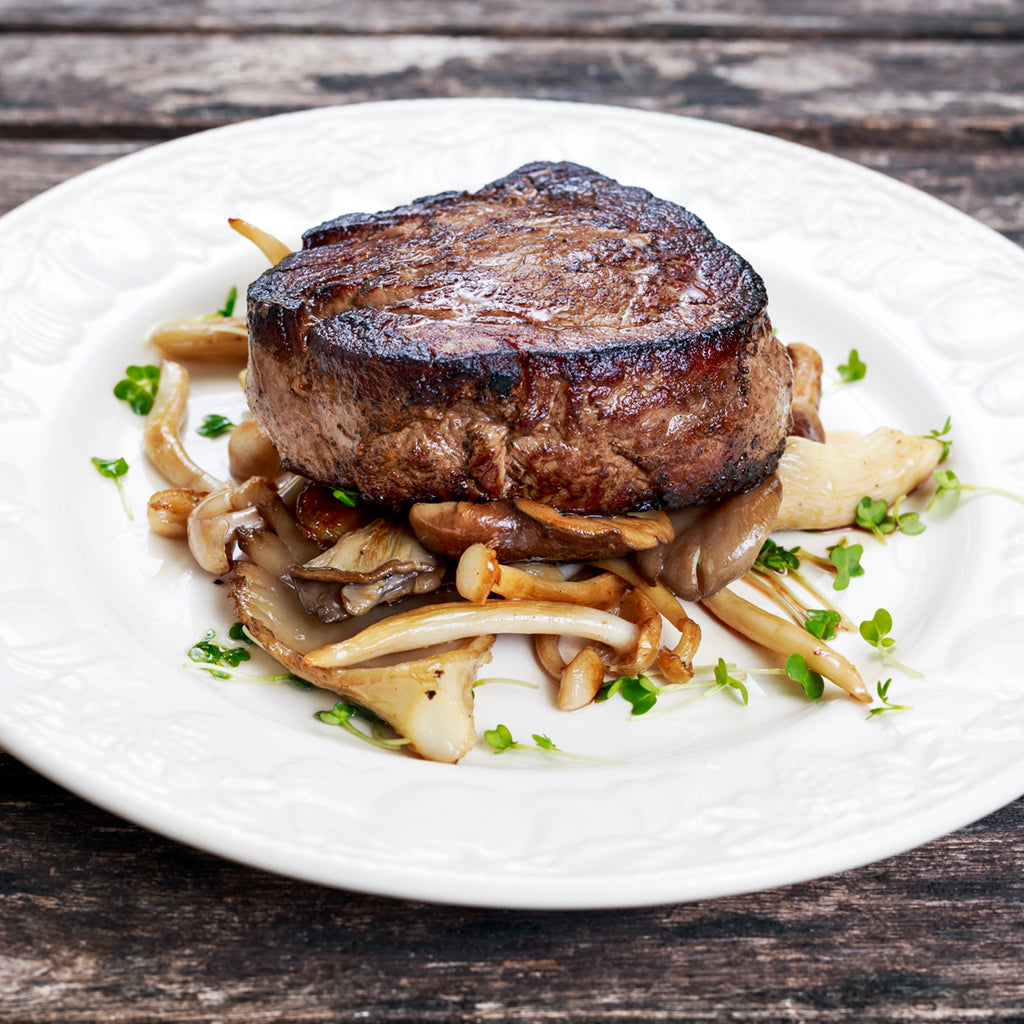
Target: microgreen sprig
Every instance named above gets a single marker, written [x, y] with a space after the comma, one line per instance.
[846, 558]
[797, 670]
[500, 739]
[941, 435]
[822, 622]
[873, 515]
[887, 705]
[948, 483]
[853, 369]
[875, 631]
[214, 425]
[114, 469]
[138, 387]
[228, 308]
[208, 654]
[347, 496]
[342, 714]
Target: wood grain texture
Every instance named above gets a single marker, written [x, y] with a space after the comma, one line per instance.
[924, 94]
[107, 916]
[651, 18]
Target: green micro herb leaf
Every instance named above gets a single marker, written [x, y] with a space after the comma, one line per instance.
[342, 714]
[206, 651]
[873, 515]
[347, 496]
[797, 670]
[214, 425]
[883, 696]
[237, 632]
[640, 692]
[948, 483]
[500, 739]
[853, 369]
[722, 678]
[846, 558]
[229, 303]
[940, 435]
[138, 387]
[875, 631]
[822, 622]
[114, 469]
[775, 558]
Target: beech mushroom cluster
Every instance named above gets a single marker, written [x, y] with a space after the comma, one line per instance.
[397, 611]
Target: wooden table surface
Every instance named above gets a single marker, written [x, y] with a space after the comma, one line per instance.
[100, 920]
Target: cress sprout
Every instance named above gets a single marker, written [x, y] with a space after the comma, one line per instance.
[114, 469]
[138, 387]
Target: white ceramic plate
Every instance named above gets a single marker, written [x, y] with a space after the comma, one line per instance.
[709, 799]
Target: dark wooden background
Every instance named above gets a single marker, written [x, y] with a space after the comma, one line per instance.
[100, 920]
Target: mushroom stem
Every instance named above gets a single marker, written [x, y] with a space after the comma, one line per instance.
[786, 638]
[161, 438]
[456, 620]
[273, 248]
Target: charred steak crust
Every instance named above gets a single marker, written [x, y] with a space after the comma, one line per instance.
[555, 336]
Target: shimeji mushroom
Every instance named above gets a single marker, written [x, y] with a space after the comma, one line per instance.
[426, 698]
[479, 574]
[785, 637]
[161, 437]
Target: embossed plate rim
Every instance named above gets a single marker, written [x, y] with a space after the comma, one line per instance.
[138, 749]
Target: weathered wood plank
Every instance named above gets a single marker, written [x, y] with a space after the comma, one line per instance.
[933, 94]
[104, 916]
[987, 185]
[890, 18]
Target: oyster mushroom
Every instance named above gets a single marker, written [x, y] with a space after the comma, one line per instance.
[714, 545]
[376, 564]
[427, 699]
[528, 530]
[822, 483]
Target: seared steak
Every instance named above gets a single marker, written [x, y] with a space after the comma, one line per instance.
[555, 336]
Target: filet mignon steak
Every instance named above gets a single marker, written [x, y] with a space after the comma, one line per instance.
[555, 336]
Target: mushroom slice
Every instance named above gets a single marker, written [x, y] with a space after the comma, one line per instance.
[785, 637]
[161, 438]
[376, 564]
[714, 545]
[251, 452]
[215, 521]
[806, 391]
[214, 340]
[428, 699]
[822, 483]
[531, 531]
[455, 620]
